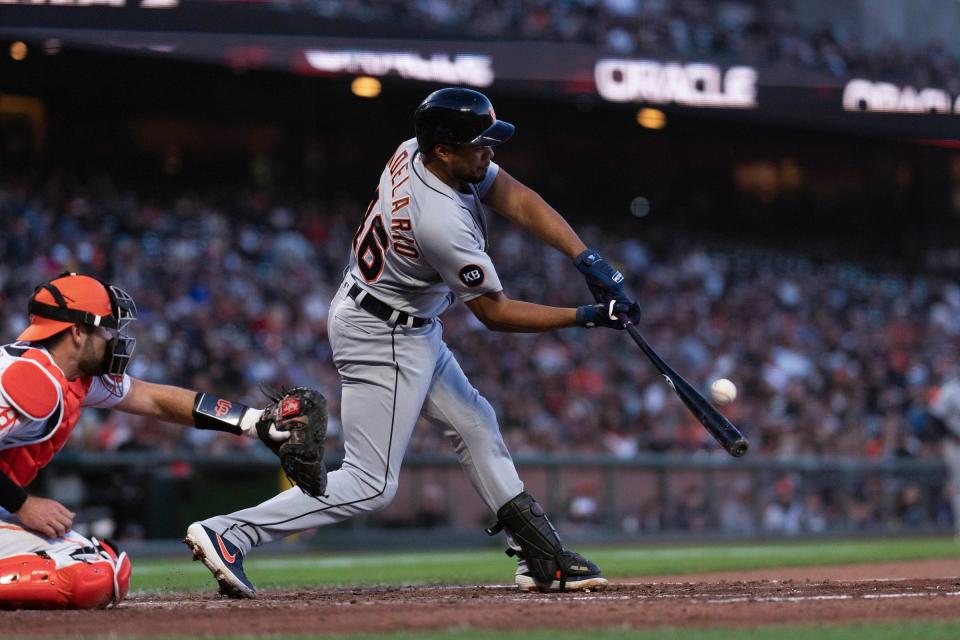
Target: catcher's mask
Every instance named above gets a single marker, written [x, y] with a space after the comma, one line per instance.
[71, 299]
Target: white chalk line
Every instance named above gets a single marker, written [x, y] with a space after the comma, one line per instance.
[877, 596]
[441, 558]
[592, 597]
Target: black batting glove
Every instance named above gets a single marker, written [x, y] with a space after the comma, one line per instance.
[604, 282]
[605, 315]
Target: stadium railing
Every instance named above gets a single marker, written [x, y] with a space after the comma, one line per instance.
[591, 498]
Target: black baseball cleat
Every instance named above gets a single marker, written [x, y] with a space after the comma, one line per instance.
[576, 574]
[222, 558]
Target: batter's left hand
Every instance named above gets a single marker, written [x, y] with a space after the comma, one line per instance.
[605, 315]
[604, 282]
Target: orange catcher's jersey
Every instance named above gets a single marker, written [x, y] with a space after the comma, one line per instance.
[422, 244]
[39, 408]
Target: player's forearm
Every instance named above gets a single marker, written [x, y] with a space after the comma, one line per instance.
[524, 206]
[188, 407]
[161, 401]
[516, 316]
[543, 221]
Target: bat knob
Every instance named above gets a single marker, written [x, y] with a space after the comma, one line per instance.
[738, 448]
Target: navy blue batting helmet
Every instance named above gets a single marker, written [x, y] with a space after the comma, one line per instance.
[458, 116]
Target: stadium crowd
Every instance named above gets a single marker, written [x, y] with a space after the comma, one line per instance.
[232, 290]
[756, 32]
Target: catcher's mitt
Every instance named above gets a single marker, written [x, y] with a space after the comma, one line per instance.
[303, 413]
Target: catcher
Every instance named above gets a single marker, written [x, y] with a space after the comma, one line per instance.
[74, 354]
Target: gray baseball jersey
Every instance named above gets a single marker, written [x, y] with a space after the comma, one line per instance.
[421, 242]
[420, 245]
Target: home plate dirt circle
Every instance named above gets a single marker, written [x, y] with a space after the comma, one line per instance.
[923, 590]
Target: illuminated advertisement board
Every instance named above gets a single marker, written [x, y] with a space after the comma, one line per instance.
[268, 39]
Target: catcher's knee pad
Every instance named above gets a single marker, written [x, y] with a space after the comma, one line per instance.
[89, 586]
[100, 580]
[121, 569]
[524, 519]
[33, 581]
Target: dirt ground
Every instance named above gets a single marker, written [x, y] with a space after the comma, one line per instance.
[922, 590]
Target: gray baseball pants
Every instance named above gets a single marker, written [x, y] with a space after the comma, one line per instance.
[389, 376]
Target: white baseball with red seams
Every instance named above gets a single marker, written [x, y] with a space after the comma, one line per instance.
[723, 391]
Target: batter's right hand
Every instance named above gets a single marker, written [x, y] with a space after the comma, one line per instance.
[47, 517]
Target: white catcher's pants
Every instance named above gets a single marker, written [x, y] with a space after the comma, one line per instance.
[389, 375]
[15, 540]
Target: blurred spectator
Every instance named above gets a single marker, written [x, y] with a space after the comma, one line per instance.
[910, 511]
[736, 509]
[648, 518]
[584, 506]
[755, 32]
[691, 511]
[783, 515]
[831, 361]
[814, 516]
[432, 510]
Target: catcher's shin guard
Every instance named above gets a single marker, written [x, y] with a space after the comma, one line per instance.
[33, 581]
[548, 566]
[30, 581]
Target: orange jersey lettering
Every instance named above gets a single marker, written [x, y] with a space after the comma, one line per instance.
[401, 232]
[398, 204]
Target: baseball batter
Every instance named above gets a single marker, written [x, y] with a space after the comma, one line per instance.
[422, 244]
[74, 354]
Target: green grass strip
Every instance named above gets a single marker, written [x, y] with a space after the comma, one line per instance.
[491, 566]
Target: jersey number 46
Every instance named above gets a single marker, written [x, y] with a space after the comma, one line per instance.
[369, 246]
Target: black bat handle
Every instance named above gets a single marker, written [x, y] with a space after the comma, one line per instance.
[715, 422]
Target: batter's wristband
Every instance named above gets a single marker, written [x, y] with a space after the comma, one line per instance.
[586, 316]
[218, 414]
[585, 260]
[12, 495]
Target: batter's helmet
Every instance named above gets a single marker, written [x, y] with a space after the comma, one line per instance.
[458, 116]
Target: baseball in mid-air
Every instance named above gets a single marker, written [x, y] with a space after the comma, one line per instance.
[723, 391]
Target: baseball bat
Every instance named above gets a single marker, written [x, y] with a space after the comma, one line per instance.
[715, 422]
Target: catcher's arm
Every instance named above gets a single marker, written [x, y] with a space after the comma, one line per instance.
[184, 406]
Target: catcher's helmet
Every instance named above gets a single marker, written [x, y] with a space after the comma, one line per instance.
[458, 116]
[71, 299]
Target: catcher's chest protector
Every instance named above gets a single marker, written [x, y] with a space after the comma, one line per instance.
[22, 462]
